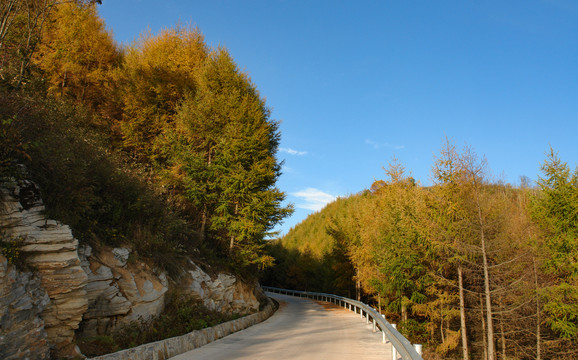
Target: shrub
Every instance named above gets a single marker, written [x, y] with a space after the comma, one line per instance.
[183, 313]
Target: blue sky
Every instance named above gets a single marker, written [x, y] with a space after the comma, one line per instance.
[356, 82]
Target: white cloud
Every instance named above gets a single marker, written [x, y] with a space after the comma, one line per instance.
[293, 152]
[377, 145]
[315, 199]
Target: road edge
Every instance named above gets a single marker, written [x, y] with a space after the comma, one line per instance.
[167, 348]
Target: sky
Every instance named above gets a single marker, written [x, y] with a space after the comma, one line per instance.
[357, 83]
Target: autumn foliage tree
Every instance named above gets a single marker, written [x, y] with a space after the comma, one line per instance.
[157, 73]
[78, 54]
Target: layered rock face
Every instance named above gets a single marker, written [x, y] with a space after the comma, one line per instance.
[223, 292]
[51, 250]
[119, 291]
[22, 300]
[77, 289]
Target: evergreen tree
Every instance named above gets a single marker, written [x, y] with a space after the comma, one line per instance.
[555, 209]
[226, 160]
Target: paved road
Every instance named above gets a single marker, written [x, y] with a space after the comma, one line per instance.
[300, 329]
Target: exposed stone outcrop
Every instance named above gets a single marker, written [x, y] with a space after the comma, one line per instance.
[119, 291]
[51, 250]
[74, 286]
[224, 292]
[22, 300]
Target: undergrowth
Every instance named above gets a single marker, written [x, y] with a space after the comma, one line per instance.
[99, 192]
[183, 314]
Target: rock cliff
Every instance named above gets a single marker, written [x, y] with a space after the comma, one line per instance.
[222, 292]
[119, 291]
[51, 250]
[75, 289]
[22, 300]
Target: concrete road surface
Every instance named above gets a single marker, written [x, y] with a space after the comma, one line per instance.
[300, 329]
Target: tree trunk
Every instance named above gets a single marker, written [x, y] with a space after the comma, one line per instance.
[204, 214]
[232, 241]
[231, 244]
[484, 341]
[203, 223]
[465, 351]
[503, 334]
[538, 316]
[487, 292]
[442, 333]
[9, 12]
[403, 310]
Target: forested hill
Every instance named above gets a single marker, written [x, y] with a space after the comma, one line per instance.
[163, 145]
[468, 266]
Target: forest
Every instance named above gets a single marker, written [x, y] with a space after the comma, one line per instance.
[163, 144]
[471, 267]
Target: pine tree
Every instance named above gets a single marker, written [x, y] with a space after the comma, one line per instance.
[227, 160]
[555, 209]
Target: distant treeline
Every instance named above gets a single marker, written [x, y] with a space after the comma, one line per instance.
[471, 267]
[163, 144]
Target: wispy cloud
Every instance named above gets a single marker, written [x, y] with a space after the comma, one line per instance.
[377, 145]
[292, 151]
[314, 199]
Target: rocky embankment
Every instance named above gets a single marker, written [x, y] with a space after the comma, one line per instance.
[65, 289]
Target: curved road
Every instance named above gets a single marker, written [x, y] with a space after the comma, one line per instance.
[300, 329]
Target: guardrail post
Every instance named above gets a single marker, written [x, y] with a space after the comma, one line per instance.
[393, 349]
[383, 332]
[374, 327]
[418, 348]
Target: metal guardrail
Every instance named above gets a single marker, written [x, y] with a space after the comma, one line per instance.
[400, 344]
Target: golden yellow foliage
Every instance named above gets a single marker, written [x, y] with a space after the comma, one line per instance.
[158, 71]
[77, 54]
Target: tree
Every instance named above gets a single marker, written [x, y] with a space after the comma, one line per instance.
[158, 72]
[447, 230]
[77, 54]
[22, 24]
[555, 208]
[474, 232]
[226, 159]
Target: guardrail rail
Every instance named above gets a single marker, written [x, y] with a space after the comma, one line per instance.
[400, 344]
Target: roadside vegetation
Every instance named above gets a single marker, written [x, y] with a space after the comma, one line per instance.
[183, 315]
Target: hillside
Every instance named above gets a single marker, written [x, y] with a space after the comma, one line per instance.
[454, 264]
[164, 143]
[161, 152]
